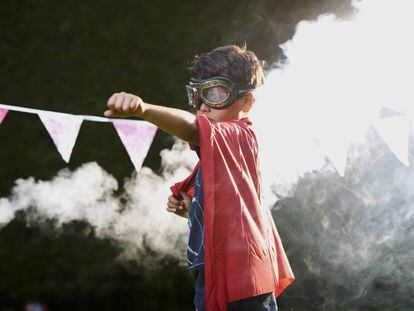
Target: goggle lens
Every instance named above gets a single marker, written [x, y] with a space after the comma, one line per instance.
[216, 94]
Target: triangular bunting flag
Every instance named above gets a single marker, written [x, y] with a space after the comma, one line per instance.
[336, 149]
[3, 113]
[395, 133]
[137, 137]
[64, 130]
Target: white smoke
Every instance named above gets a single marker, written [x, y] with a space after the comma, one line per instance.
[344, 94]
[87, 194]
[338, 75]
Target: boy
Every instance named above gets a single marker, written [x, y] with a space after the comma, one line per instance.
[234, 249]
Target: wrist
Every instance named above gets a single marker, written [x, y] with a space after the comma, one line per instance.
[140, 110]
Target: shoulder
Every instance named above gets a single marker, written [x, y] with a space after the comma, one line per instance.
[231, 127]
[230, 135]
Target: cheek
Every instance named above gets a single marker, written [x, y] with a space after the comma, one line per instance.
[232, 110]
[222, 113]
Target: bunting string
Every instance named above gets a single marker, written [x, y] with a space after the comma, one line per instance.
[137, 136]
[36, 111]
[63, 128]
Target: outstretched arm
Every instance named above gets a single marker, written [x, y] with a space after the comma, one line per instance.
[179, 123]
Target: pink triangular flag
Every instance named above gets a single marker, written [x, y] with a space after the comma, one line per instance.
[137, 137]
[3, 113]
[64, 130]
[395, 133]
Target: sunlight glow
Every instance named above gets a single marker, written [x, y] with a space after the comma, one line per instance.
[338, 75]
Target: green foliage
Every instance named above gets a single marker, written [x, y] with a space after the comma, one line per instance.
[70, 56]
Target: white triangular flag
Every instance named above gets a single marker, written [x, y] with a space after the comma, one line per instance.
[336, 148]
[395, 133]
[3, 113]
[64, 130]
[137, 137]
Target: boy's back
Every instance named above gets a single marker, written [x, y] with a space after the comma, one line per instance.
[243, 253]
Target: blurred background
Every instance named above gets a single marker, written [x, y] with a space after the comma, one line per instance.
[70, 57]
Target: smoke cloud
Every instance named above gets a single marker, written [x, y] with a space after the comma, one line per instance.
[137, 214]
[337, 77]
[339, 185]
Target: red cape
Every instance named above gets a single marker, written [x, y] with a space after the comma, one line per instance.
[244, 256]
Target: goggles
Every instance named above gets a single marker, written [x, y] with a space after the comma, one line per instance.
[216, 92]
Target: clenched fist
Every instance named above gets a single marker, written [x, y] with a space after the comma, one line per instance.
[179, 207]
[124, 105]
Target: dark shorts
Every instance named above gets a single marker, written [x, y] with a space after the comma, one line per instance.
[265, 302]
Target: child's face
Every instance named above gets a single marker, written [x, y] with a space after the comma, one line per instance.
[237, 110]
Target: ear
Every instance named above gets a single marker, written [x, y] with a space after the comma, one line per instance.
[248, 101]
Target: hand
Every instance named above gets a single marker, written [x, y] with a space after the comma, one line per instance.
[179, 207]
[124, 105]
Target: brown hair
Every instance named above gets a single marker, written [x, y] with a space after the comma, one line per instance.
[230, 61]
